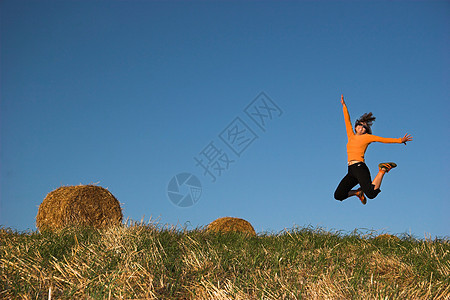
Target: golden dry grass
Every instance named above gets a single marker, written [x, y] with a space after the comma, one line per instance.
[139, 261]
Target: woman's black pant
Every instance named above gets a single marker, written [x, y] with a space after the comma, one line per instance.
[357, 173]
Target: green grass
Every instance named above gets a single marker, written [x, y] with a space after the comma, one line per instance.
[148, 261]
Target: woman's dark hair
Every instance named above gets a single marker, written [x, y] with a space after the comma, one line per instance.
[366, 121]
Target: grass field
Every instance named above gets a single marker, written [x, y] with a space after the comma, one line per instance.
[149, 261]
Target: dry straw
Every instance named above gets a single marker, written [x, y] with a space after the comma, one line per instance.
[387, 237]
[81, 205]
[228, 224]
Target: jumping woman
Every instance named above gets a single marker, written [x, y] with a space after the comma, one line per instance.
[358, 172]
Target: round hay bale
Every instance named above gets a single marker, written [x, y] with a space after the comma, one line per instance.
[229, 224]
[81, 205]
[387, 237]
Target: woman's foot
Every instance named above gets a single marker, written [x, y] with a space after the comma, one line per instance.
[386, 167]
[361, 196]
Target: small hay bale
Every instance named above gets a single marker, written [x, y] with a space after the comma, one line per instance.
[229, 224]
[81, 205]
[387, 237]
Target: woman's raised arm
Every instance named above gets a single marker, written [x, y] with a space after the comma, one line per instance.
[348, 123]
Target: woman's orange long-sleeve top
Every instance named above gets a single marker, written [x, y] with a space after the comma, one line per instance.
[357, 144]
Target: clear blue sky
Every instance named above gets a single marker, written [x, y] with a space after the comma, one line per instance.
[126, 93]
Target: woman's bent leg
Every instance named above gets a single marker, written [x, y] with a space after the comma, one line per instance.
[362, 173]
[344, 187]
[378, 179]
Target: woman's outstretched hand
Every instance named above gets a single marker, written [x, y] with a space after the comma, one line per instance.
[342, 100]
[406, 138]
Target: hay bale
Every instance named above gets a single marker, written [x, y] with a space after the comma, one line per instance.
[229, 224]
[81, 205]
[387, 237]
